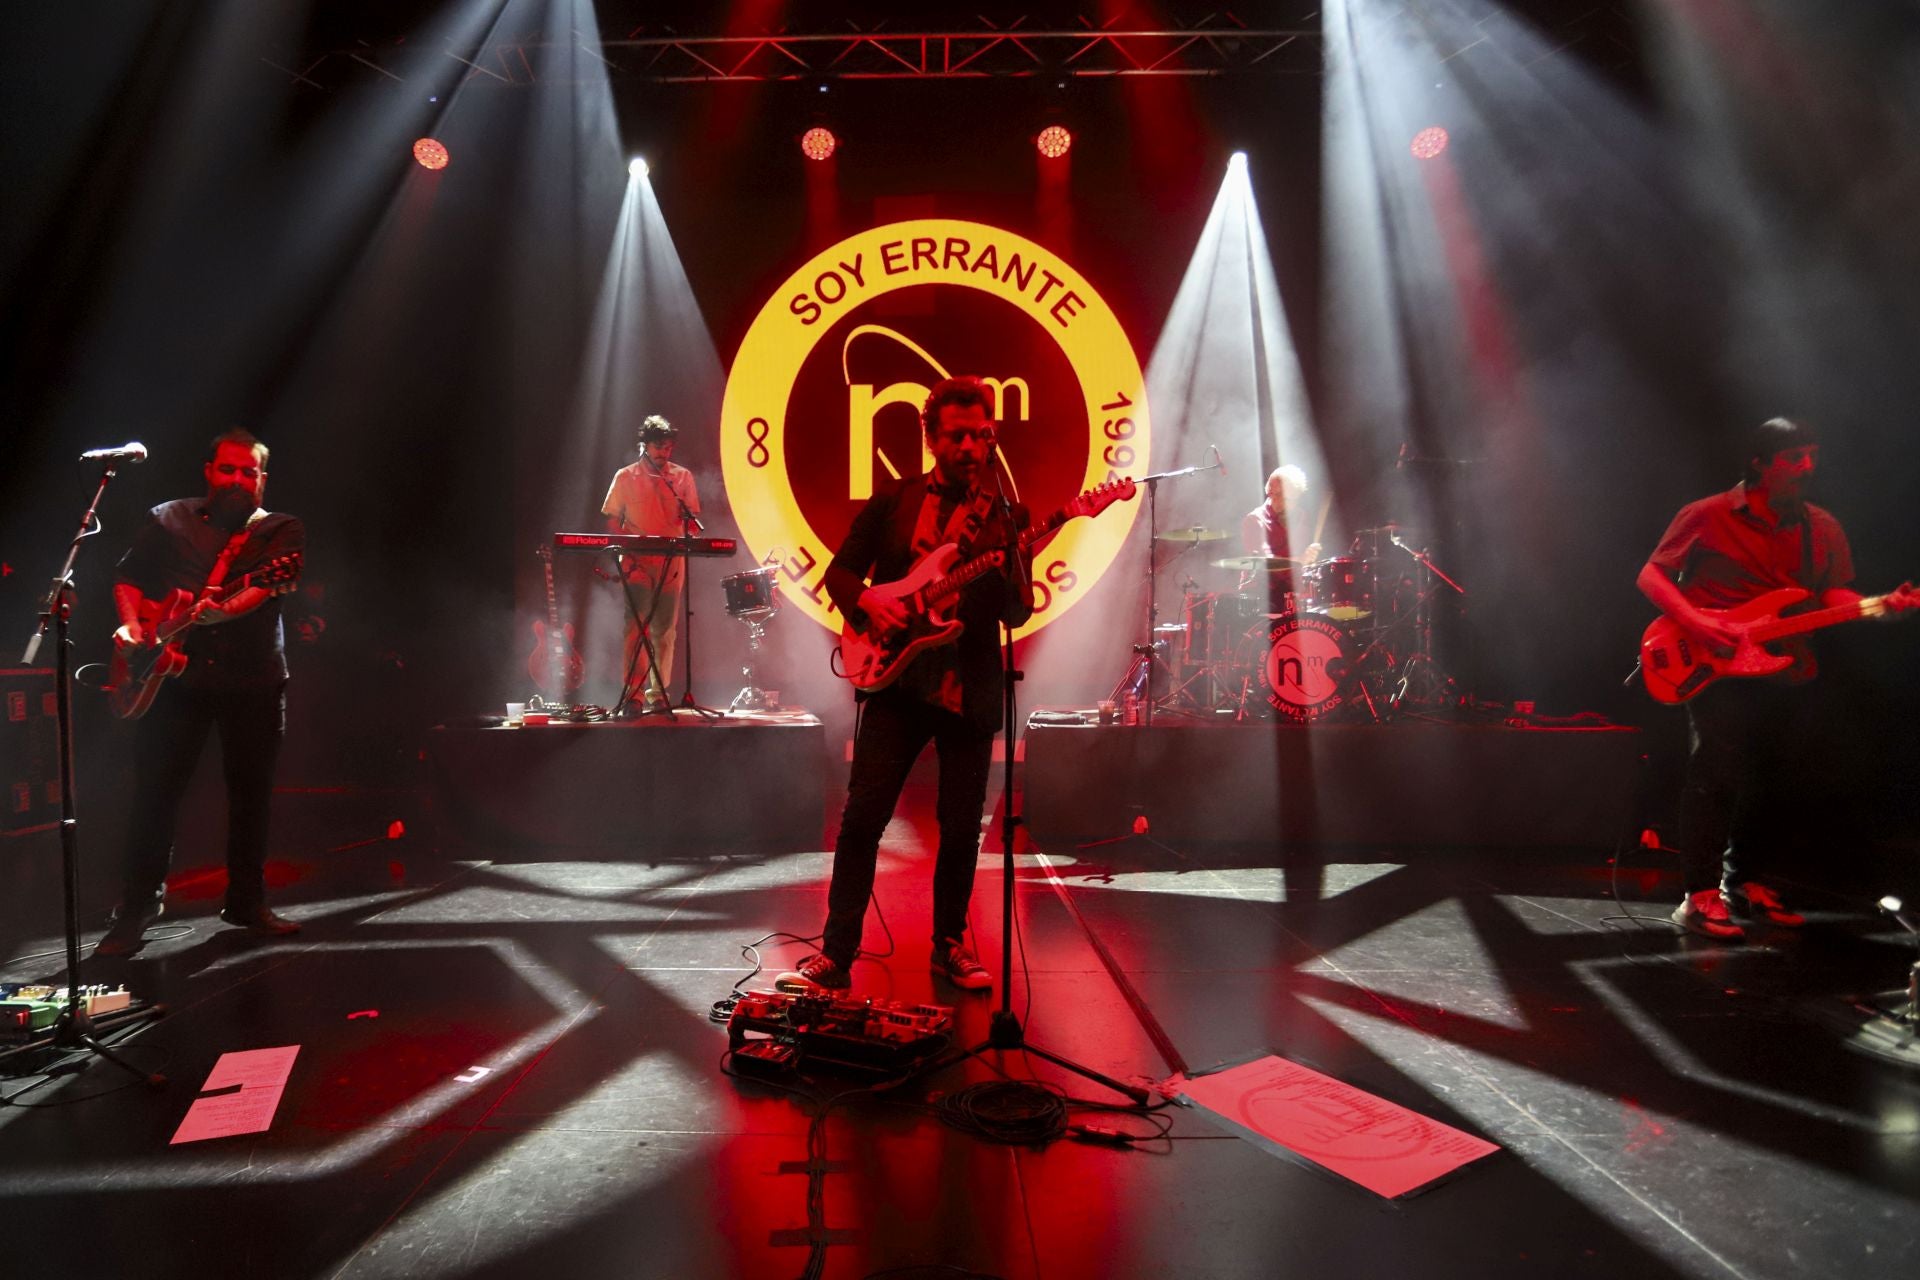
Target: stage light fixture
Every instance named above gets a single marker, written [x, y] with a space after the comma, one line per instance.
[430, 154]
[1053, 141]
[637, 167]
[818, 143]
[1238, 160]
[1429, 142]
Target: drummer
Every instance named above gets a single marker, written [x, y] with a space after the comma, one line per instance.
[1263, 531]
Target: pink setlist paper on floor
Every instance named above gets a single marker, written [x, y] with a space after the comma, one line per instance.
[256, 1078]
[1381, 1145]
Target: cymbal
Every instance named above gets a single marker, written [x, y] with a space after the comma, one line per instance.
[1195, 534]
[1257, 563]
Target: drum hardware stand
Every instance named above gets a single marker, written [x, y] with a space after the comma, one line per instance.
[1436, 684]
[75, 1029]
[1146, 651]
[1004, 1031]
[752, 697]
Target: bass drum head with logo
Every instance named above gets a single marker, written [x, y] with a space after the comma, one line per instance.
[1304, 664]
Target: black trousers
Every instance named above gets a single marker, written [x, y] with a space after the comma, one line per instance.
[168, 741]
[1751, 743]
[894, 729]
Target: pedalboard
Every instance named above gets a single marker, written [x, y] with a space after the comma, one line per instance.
[779, 1033]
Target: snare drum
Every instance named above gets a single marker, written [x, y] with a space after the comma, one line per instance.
[1340, 588]
[753, 594]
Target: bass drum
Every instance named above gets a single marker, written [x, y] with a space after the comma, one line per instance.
[1302, 663]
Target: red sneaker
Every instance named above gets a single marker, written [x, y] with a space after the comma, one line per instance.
[1705, 913]
[1757, 902]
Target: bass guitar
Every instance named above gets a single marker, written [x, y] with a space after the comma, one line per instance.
[553, 651]
[137, 672]
[930, 595]
[1677, 664]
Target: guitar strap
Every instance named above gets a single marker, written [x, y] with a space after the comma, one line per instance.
[223, 562]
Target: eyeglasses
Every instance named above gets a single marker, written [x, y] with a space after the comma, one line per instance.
[959, 434]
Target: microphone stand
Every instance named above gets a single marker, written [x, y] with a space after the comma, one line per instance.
[1004, 1030]
[690, 526]
[1146, 650]
[74, 1029]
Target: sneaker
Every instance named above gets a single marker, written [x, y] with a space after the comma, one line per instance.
[1706, 913]
[1757, 902]
[815, 973]
[957, 965]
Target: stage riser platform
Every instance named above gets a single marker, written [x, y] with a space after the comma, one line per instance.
[1389, 785]
[649, 787]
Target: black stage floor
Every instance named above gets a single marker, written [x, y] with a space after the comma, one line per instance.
[1665, 1107]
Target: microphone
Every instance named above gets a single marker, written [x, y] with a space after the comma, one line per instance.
[132, 451]
[1219, 464]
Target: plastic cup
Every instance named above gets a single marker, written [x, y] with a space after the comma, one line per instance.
[516, 712]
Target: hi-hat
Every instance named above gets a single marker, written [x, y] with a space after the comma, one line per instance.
[1195, 534]
[1268, 563]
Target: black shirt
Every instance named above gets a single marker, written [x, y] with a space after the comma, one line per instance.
[881, 543]
[175, 550]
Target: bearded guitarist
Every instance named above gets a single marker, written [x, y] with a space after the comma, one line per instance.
[949, 696]
[234, 682]
[1719, 554]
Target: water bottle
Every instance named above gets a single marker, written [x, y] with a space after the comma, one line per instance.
[1133, 708]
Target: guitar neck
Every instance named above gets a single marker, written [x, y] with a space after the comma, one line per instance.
[1801, 623]
[553, 606]
[941, 588]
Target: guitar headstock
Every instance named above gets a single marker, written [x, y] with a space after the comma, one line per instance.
[1102, 496]
[544, 551]
[279, 575]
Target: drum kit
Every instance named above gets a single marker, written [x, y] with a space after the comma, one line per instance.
[1350, 636]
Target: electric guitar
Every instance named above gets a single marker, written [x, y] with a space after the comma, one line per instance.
[553, 650]
[137, 672]
[1677, 664]
[930, 594]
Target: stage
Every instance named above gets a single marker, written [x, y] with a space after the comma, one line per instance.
[1414, 784]
[505, 1067]
[660, 784]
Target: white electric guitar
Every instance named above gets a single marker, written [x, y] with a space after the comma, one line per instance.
[931, 592]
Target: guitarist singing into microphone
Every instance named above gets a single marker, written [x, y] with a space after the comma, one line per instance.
[1717, 561]
[949, 695]
[234, 680]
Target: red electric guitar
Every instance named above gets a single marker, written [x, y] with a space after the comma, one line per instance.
[135, 673]
[930, 592]
[1677, 664]
[553, 650]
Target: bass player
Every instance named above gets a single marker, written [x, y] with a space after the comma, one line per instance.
[949, 696]
[235, 681]
[1717, 554]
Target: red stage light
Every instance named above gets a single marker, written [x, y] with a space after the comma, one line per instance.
[817, 143]
[1053, 141]
[430, 154]
[1429, 143]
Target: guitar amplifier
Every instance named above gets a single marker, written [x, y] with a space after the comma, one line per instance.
[29, 752]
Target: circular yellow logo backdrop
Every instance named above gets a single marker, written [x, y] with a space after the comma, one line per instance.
[823, 399]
